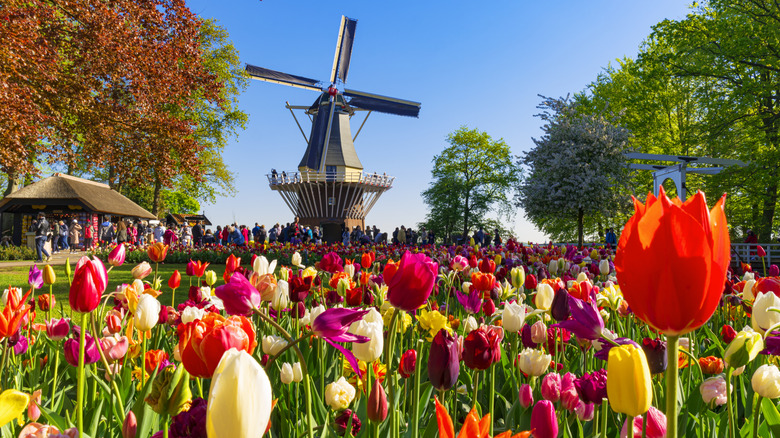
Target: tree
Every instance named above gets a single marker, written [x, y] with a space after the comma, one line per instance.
[471, 177]
[576, 170]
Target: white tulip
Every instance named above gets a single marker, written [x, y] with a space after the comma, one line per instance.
[766, 381]
[544, 296]
[372, 328]
[747, 291]
[147, 312]
[297, 260]
[466, 287]
[338, 395]
[281, 297]
[513, 317]
[763, 316]
[534, 362]
[297, 372]
[272, 345]
[286, 375]
[192, 313]
[604, 267]
[262, 267]
[349, 270]
[582, 276]
[553, 267]
[470, 324]
[240, 398]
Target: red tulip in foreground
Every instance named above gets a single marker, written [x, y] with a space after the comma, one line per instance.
[88, 285]
[412, 284]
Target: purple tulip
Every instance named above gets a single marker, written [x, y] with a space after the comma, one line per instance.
[559, 309]
[443, 361]
[603, 354]
[585, 322]
[332, 325]
[71, 347]
[525, 335]
[239, 296]
[655, 352]
[35, 277]
[342, 421]
[57, 329]
[544, 423]
[471, 302]
[773, 271]
[592, 387]
[19, 343]
[772, 345]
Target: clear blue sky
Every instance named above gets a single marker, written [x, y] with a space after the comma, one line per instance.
[479, 64]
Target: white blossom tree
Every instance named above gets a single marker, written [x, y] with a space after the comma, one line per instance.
[577, 171]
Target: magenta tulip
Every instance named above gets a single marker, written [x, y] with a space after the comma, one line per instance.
[117, 256]
[57, 329]
[412, 283]
[332, 325]
[543, 420]
[239, 296]
[35, 277]
[551, 387]
[71, 348]
[526, 395]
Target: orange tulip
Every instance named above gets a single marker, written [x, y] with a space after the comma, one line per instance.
[472, 427]
[13, 314]
[711, 365]
[671, 262]
[202, 342]
[157, 252]
[153, 359]
[390, 268]
[231, 264]
[481, 281]
[367, 260]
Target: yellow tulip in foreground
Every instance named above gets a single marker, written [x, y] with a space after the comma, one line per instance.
[12, 405]
[628, 380]
[239, 399]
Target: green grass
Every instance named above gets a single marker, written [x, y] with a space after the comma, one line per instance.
[17, 277]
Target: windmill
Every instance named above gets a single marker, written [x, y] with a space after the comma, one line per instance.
[330, 188]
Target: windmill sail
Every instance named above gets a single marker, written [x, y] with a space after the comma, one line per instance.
[382, 104]
[343, 50]
[278, 77]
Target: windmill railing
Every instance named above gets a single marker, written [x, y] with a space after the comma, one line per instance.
[373, 179]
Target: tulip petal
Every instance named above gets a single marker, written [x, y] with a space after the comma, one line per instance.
[13, 403]
[349, 356]
[443, 419]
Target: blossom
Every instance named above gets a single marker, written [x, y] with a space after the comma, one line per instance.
[713, 390]
[239, 296]
[339, 394]
[203, 342]
[412, 284]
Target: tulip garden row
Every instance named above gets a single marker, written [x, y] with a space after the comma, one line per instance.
[658, 338]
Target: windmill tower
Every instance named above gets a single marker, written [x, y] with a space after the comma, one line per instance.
[330, 187]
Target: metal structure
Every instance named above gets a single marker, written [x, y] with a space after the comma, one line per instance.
[330, 188]
[677, 172]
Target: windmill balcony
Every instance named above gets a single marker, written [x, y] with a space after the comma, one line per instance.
[371, 179]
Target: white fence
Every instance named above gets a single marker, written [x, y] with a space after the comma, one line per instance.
[746, 253]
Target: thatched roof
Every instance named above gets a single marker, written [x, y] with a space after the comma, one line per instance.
[61, 192]
[182, 218]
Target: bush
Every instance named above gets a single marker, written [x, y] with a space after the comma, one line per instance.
[16, 253]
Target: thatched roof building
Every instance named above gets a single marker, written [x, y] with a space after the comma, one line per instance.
[180, 219]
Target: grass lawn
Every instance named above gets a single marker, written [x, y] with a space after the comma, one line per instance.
[17, 277]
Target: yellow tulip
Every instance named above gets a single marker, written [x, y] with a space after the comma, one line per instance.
[13, 403]
[49, 277]
[629, 385]
[744, 348]
[239, 399]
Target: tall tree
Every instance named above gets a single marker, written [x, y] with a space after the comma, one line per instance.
[576, 170]
[471, 177]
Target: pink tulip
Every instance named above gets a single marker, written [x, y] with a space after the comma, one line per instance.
[33, 409]
[526, 395]
[89, 283]
[57, 329]
[117, 256]
[656, 425]
[543, 420]
[114, 348]
[551, 387]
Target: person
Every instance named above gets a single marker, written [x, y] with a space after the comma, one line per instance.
[208, 238]
[244, 232]
[41, 235]
[141, 232]
[344, 235]
[236, 237]
[75, 233]
[273, 234]
[402, 235]
[197, 234]
[317, 235]
[106, 233]
[479, 236]
[55, 237]
[63, 239]
[89, 235]
[121, 232]
[170, 238]
[255, 232]
[611, 238]
[186, 234]
[261, 235]
[497, 238]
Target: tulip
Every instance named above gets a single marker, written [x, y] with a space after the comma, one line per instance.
[376, 409]
[760, 251]
[711, 365]
[585, 411]
[57, 329]
[744, 348]
[71, 350]
[44, 302]
[286, 374]
[534, 362]
[146, 312]
[727, 333]
[482, 347]
[141, 270]
[114, 348]
[332, 325]
[371, 327]
[339, 394]
[469, 324]
[551, 387]
[19, 343]
[192, 313]
[526, 395]
[344, 419]
[49, 277]
[89, 282]
[211, 277]
[35, 277]
[407, 363]
[773, 271]
[171, 392]
[443, 362]
[656, 425]
[459, 263]
[202, 343]
[763, 318]
[654, 267]
[544, 296]
[14, 314]
[586, 321]
[412, 284]
[747, 290]
[655, 353]
[488, 308]
[349, 269]
[240, 397]
[281, 298]
[592, 387]
[239, 296]
[559, 309]
[629, 385]
[517, 274]
[513, 317]
[604, 267]
[130, 425]
[713, 391]
[543, 420]
[553, 267]
[117, 256]
[273, 345]
[332, 263]
[538, 332]
[157, 252]
[175, 280]
[196, 269]
[471, 302]
[12, 405]
[766, 381]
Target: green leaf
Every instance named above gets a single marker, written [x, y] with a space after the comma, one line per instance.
[771, 415]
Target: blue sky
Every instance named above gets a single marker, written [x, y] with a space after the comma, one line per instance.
[479, 64]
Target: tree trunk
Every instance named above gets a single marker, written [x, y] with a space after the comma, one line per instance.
[13, 184]
[466, 216]
[156, 200]
[580, 226]
[769, 205]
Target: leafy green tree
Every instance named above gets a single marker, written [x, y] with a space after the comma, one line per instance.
[577, 169]
[472, 177]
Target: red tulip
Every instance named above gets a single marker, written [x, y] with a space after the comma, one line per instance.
[197, 269]
[203, 341]
[410, 287]
[231, 264]
[671, 262]
[117, 256]
[728, 333]
[482, 347]
[44, 304]
[407, 364]
[376, 409]
[367, 259]
[175, 280]
[760, 251]
[487, 266]
[390, 269]
[530, 282]
[157, 252]
[89, 282]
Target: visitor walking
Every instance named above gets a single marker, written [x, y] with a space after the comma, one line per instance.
[89, 234]
[41, 235]
[75, 233]
[63, 244]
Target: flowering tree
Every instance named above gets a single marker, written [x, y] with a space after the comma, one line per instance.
[577, 169]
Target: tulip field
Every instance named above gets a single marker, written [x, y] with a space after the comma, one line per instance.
[659, 337]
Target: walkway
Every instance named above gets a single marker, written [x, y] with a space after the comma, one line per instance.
[56, 259]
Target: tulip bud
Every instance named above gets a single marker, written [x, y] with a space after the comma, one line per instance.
[526, 395]
[744, 348]
[544, 296]
[49, 277]
[273, 344]
[553, 267]
[629, 386]
[604, 267]
[141, 270]
[147, 312]
[585, 411]
[713, 390]
[655, 353]
[766, 381]
[760, 251]
[44, 304]
[281, 297]
[117, 256]
[407, 364]
[559, 309]
[466, 287]
[530, 282]
[349, 270]
[129, 426]
[773, 271]
[339, 394]
[57, 329]
[443, 361]
[469, 324]
[513, 317]
[297, 372]
[175, 280]
[488, 308]
[286, 375]
[543, 420]
[538, 332]
[210, 277]
[551, 387]
[376, 410]
[517, 275]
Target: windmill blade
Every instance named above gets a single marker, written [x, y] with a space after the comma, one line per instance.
[382, 104]
[277, 77]
[343, 50]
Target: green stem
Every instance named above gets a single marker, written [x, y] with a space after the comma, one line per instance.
[604, 411]
[672, 375]
[492, 396]
[644, 425]
[304, 367]
[173, 298]
[416, 396]
[755, 416]
[143, 360]
[476, 390]
[117, 394]
[165, 426]
[729, 401]
[80, 388]
[56, 355]
[2, 365]
[389, 377]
